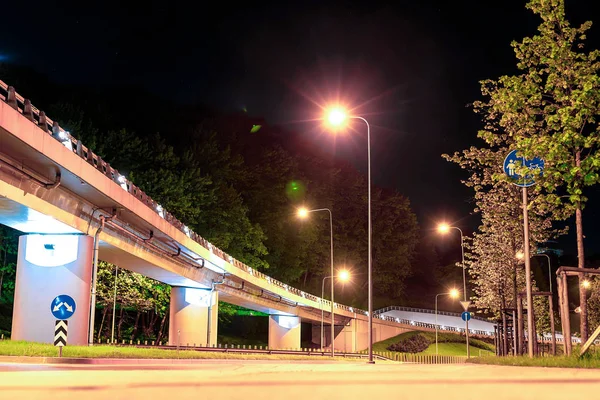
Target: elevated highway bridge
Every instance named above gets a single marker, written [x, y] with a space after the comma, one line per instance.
[62, 196]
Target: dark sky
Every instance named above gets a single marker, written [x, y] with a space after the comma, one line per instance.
[409, 67]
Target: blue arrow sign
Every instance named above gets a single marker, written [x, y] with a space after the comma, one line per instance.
[63, 307]
[465, 316]
[513, 161]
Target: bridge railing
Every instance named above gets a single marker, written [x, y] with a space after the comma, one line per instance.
[51, 127]
[426, 311]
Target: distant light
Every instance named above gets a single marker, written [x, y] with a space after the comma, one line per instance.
[520, 255]
[586, 284]
[454, 293]
[443, 228]
[302, 212]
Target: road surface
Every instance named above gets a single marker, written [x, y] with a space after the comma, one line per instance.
[280, 380]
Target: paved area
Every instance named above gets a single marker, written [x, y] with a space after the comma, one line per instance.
[227, 379]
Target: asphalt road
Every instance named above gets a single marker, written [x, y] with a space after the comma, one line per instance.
[266, 380]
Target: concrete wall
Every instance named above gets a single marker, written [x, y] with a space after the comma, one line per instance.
[49, 266]
[284, 332]
[193, 317]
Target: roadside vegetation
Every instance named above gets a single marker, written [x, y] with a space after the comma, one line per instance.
[419, 342]
[30, 349]
[587, 361]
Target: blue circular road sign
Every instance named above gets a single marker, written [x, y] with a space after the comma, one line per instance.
[514, 161]
[465, 316]
[63, 307]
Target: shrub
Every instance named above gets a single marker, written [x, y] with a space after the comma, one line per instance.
[414, 344]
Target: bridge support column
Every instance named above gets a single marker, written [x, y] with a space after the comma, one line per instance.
[193, 317]
[345, 337]
[284, 332]
[49, 266]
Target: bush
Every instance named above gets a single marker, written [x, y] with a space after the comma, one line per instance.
[414, 344]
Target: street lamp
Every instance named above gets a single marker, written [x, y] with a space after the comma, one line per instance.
[453, 294]
[586, 284]
[343, 276]
[336, 118]
[303, 213]
[444, 228]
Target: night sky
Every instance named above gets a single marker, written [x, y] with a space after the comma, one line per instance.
[410, 68]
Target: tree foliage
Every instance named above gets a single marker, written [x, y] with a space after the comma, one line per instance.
[550, 109]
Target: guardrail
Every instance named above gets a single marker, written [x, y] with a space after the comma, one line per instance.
[52, 128]
[427, 311]
[243, 349]
[430, 325]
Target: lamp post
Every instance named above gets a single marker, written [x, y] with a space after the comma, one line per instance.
[336, 117]
[453, 294]
[343, 276]
[112, 331]
[444, 229]
[303, 213]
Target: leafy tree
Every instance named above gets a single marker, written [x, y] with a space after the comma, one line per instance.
[9, 241]
[550, 109]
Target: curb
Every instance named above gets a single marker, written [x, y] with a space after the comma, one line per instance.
[140, 361]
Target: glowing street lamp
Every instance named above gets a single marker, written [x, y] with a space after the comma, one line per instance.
[444, 228]
[343, 276]
[586, 284]
[454, 295]
[303, 213]
[336, 118]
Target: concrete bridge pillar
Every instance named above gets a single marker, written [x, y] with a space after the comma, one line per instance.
[49, 266]
[345, 337]
[284, 332]
[193, 317]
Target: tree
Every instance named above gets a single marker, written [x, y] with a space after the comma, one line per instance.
[491, 252]
[9, 241]
[550, 109]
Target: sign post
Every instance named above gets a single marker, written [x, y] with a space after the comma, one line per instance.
[465, 305]
[62, 308]
[60, 335]
[512, 163]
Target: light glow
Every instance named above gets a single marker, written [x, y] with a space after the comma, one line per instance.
[302, 212]
[520, 255]
[287, 322]
[51, 250]
[454, 293]
[443, 228]
[336, 116]
[344, 275]
[198, 297]
[586, 284]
